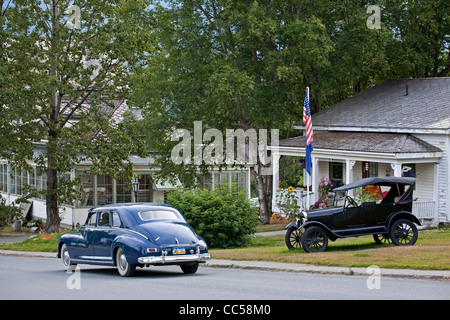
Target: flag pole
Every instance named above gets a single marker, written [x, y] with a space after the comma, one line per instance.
[307, 174]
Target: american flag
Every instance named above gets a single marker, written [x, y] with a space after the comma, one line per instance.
[309, 132]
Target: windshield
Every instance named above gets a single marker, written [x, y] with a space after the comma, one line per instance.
[150, 215]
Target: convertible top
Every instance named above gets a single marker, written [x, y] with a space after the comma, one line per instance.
[382, 181]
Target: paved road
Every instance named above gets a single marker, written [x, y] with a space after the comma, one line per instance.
[40, 278]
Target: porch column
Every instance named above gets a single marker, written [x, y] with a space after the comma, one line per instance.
[275, 178]
[349, 173]
[397, 167]
[315, 180]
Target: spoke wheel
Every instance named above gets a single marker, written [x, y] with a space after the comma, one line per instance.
[382, 238]
[293, 238]
[314, 239]
[404, 233]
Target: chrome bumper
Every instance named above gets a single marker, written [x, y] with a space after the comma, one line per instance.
[163, 259]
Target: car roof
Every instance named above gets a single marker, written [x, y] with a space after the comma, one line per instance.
[383, 181]
[133, 205]
[128, 211]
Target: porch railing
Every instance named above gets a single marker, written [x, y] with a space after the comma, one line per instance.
[424, 210]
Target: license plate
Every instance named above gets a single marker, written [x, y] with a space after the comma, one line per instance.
[178, 251]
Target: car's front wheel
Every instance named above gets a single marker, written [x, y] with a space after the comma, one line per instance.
[125, 269]
[65, 258]
[293, 238]
[314, 239]
[404, 232]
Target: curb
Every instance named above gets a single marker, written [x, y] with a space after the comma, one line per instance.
[440, 275]
[443, 275]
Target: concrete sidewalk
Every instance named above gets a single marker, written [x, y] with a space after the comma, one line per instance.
[286, 267]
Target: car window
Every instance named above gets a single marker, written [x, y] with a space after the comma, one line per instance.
[159, 215]
[104, 219]
[115, 219]
[92, 219]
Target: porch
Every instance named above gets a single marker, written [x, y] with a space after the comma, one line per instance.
[344, 157]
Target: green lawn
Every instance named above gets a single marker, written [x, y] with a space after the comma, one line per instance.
[432, 251]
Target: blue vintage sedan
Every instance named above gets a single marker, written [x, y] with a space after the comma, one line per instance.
[136, 234]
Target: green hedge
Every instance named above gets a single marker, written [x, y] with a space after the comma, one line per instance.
[222, 218]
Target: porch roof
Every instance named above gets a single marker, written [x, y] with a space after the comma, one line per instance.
[364, 142]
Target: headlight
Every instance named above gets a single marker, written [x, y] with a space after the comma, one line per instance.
[305, 216]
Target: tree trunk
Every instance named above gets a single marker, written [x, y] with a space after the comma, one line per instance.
[264, 184]
[53, 218]
[51, 198]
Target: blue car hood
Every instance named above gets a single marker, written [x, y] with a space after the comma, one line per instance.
[167, 232]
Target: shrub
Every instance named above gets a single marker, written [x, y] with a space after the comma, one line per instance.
[8, 212]
[222, 218]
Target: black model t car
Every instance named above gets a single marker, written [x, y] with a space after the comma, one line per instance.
[388, 219]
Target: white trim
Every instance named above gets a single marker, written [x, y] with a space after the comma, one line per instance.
[430, 157]
[376, 129]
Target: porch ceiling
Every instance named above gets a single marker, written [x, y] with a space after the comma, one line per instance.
[392, 143]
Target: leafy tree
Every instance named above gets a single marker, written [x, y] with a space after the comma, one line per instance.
[62, 67]
[231, 65]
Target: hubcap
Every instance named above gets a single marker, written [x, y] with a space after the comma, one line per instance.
[66, 258]
[122, 261]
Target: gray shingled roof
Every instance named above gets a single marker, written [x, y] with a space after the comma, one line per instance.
[386, 105]
[365, 142]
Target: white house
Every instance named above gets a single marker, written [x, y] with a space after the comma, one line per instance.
[102, 189]
[400, 127]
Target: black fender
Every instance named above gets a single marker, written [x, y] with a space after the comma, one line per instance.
[401, 215]
[331, 235]
[293, 224]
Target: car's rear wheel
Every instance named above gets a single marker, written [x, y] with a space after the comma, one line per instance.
[293, 238]
[189, 268]
[404, 233]
[314, 239]
[125, 269]
[382, 238]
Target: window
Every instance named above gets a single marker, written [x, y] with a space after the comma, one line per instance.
[104, 219]
[409, 170]
[104, 190]
[158, 215]
[115, 220]
[3, 176]
[86, 189]
[236, 179]
[369, 169]
[145, 193]
[123, 191]
[92, 219]
[336, 173]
